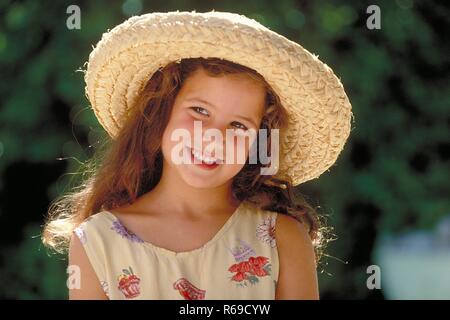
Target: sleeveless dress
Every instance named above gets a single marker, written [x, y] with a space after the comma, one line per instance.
[239, 262]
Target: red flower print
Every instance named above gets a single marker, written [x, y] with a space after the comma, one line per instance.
[257, 264]
[243, 266]
[248, 267]
[188, 291]
[251, 269]
[240, 276]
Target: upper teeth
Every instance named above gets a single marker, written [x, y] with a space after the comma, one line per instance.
[206, 159]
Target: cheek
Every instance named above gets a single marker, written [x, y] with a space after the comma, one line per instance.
[229, 171]
[184, 122]
[179, 121]
[239, 145]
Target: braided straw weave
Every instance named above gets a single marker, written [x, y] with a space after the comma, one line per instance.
[319, 110]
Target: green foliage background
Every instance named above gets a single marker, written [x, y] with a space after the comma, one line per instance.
[392, 176]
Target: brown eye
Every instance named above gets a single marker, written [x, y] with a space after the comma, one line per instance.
[200, 110]
[239, 125]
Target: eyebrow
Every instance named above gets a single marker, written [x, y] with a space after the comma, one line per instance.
[214, 107]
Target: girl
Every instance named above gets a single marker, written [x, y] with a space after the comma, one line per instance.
[146, 226]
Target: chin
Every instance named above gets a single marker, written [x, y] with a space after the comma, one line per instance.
[202, 180]
[201, 184]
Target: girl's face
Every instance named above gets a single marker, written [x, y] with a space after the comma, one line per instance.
[230, 104]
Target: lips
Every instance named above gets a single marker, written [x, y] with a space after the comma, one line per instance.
[203, 161]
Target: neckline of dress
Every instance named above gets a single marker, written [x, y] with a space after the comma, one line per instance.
[230, 221]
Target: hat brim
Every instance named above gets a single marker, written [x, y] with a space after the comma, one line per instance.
[318, 107]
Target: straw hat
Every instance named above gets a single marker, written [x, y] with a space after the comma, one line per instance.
[319, 110]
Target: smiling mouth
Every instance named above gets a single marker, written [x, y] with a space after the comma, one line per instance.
[203, 161]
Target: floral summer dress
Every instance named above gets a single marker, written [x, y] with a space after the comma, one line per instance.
[239, 262]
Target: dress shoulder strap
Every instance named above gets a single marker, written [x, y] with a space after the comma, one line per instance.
[252, 243]
[94, 234]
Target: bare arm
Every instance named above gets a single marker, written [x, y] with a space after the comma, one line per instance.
[90, 287]
[298, 275]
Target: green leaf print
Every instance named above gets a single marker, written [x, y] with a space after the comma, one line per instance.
[253, 279]
[268, 268]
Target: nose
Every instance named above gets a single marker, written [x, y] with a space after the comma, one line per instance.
[214, 138]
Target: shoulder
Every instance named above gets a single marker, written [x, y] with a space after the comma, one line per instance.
[84, 269]
[91, 239]
[96, 219]
[289, 230]
[298, 277]
[91, 244]
[94, 226]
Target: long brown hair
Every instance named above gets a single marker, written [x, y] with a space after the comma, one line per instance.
[131, 164]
